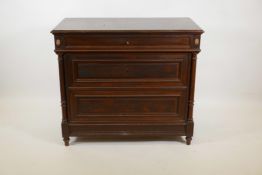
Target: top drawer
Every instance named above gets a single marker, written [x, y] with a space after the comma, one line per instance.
[126, 41]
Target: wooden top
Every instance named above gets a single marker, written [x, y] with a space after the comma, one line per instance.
[86, 25]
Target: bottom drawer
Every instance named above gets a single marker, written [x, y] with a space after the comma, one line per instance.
[126, 131]
[127, 106]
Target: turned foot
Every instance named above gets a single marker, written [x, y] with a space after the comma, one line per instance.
[188, 140]
[66, 140]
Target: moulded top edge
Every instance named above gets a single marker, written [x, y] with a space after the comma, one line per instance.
[127, 25]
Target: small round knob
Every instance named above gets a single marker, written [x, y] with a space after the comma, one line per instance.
[127, 42]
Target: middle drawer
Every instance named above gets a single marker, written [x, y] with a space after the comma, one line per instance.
[126, 69]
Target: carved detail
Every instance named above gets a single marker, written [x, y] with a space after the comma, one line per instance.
[196, 41]
[190, 123]
[194, 56]
[62, 87]
[58, 42]
[59, 57]
[192, 87]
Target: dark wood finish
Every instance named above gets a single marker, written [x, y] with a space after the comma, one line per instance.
[125, 69]
[127, 77]
[141, 25]
[126, 106]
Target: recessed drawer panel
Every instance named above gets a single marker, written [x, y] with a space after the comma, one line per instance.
[122, 106]
[107, 68]
[124, 41]
[133, 70]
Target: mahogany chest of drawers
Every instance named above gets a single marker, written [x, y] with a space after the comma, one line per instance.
[127, 77]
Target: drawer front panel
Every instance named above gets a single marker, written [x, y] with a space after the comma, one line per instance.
[127, 106]
[120, 70]
[90, 69]
[126, 131]
[125, 41]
